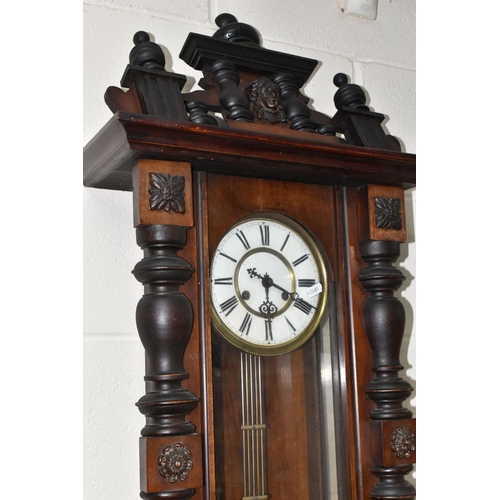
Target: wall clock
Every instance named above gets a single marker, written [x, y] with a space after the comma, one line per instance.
[270, 232]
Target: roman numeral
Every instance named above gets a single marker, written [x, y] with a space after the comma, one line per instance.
[247, 323]
[269, 329]
[229, 305]
[290, 323]
[223, 281]
[264, 234]
[228, 257]
[285, 242]
[303, 306]
[307, 283]
[243, 239]
[300, 260]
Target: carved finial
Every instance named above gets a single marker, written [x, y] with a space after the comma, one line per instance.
[222, 19]
[233, 31]
[146, 53]
[349, 94]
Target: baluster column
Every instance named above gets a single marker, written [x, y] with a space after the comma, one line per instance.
[233, 100]
[297, 112]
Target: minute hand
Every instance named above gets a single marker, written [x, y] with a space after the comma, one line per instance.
[294, 295]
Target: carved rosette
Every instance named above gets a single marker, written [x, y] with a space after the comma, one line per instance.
[167, 192]
[388, 213]
[175, 462]
[402, 442]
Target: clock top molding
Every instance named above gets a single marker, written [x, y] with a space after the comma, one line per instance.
[250, 118]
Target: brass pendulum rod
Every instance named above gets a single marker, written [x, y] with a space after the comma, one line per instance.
[252, 428]
[244, 416]
[261, 430]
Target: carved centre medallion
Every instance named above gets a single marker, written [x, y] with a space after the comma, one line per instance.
[265, 100]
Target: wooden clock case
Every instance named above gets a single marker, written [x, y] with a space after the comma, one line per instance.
[197, 162]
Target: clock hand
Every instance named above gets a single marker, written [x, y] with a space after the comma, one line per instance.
[268, 282]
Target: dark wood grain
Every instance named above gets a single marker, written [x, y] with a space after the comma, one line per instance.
[358, 359]
[109, 157]
[164, 322]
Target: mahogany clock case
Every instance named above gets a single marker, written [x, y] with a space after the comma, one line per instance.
[332, 414]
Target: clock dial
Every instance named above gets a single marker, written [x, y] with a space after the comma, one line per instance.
[268, 285]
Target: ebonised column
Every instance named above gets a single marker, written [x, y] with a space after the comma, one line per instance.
[233, 100]
[297, 112]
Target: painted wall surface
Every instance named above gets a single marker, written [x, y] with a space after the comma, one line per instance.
[378, 55]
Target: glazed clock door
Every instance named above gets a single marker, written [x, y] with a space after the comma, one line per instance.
[273, 410]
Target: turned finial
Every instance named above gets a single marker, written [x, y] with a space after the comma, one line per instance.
[146, 53]
[230, 30]
[349, 94]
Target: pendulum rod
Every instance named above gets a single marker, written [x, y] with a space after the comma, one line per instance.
[252, 427]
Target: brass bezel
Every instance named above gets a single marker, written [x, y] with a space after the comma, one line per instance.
[299, 340]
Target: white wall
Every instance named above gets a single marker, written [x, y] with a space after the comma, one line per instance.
[379, 55]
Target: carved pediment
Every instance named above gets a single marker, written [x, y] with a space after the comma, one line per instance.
[243, 83]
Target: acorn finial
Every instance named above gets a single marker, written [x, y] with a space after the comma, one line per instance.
[349, 94]
[146, 53]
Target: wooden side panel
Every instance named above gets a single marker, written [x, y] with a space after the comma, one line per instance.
[359, 355]
[192, 354]
[198, 355]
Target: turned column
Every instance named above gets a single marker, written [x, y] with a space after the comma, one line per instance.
[170, 449]
[297, 112]
[392, 425]
[233, 100]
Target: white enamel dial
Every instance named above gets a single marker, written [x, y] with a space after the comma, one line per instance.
[268, 285]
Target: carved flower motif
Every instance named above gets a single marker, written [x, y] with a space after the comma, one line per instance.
[167, 192]
[402, 442]
[175, 462]
[388, 213]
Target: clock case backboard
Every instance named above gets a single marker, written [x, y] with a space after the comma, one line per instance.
[196, 163]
